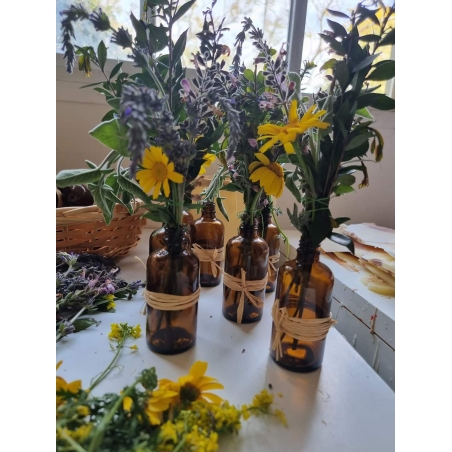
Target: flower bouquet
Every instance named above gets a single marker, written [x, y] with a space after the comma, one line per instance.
[149, 414]
[325, 160]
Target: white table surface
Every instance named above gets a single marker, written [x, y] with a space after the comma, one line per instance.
[343, 406]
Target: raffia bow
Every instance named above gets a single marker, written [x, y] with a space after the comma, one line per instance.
[212, 256]
[273, 260]
[300, 329]
[166, 302]
[245, 287]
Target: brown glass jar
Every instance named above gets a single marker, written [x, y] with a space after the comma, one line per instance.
[249, 252]
[173, 270]
[305, 288]
[210, 236]
[270, 233]
[157, 238]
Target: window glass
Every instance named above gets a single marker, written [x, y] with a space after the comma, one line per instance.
[118, 12]
[314, 47]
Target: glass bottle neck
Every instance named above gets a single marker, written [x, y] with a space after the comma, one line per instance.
[175, 238]
[249, 231]
[307, 253]
[208, 211]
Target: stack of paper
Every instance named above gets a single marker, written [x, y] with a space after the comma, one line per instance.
[374, 255]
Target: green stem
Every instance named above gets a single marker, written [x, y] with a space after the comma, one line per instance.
[100, 430]
[286, 239]
[73, 443]
[253, 205]
[107, 159]
[108, 369]
[79, 313]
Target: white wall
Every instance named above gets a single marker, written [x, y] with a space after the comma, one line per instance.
[79, 110]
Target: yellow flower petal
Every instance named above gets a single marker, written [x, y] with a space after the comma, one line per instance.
[293, 114]
[176, 177]
[268, 145]
[212, 397]
[262, 158]
[198, 369]
[288, 147]
[59, 364]
[157, 188]
[269, 129]
[166, 188]
[127, 403]
[253, 166]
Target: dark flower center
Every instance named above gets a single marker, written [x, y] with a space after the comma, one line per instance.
[189, 393]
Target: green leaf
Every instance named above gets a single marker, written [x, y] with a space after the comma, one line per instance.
[356, 152]
[342, 74]
[335, 45]
[99, 195]
[337, 14]
[366, 62]
[67, 178]
[83, 324]
[364, 112]
[342, 189]
[222, 208]
[157, 37]
[328, 64]
[112, 197]
[140, 29]
[114, 103]
[338, 29]
[102, 54]
[133, 188]
[358, 140]
[207, 141]
[116, 69]
[230, 187]
[109, 116]
[346, 179]
[91, 164]
[113, 135]
[379, 101]
[183, 9]
[249, 75]
[91, 84]
[369, 38]
[343, 240]
[384, 70]
[388, 39]
[291, 186]
[179, 47]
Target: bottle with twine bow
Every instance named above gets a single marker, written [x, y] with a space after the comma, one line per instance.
[172, 293]
[301, 311]
[245, 275]
[209, 246]
[272, 236]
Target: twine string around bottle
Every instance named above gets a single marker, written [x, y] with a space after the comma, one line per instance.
[167, 302]
[212, 255]
[272, 260]
[300, 329]
[245, 288]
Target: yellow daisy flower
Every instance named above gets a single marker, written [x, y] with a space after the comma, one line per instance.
[287, 134]
[208, 160]
[157, 172]
[62, 385]
[193, 386]
[160, 401]
[269, 174]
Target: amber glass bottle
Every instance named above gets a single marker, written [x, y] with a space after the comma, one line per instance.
[270, 233]
[250, 252]
[305, 288]
[210, 236]
[157, 238]
[173, 270]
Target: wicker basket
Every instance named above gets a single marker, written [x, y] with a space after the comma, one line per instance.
[83, 230]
